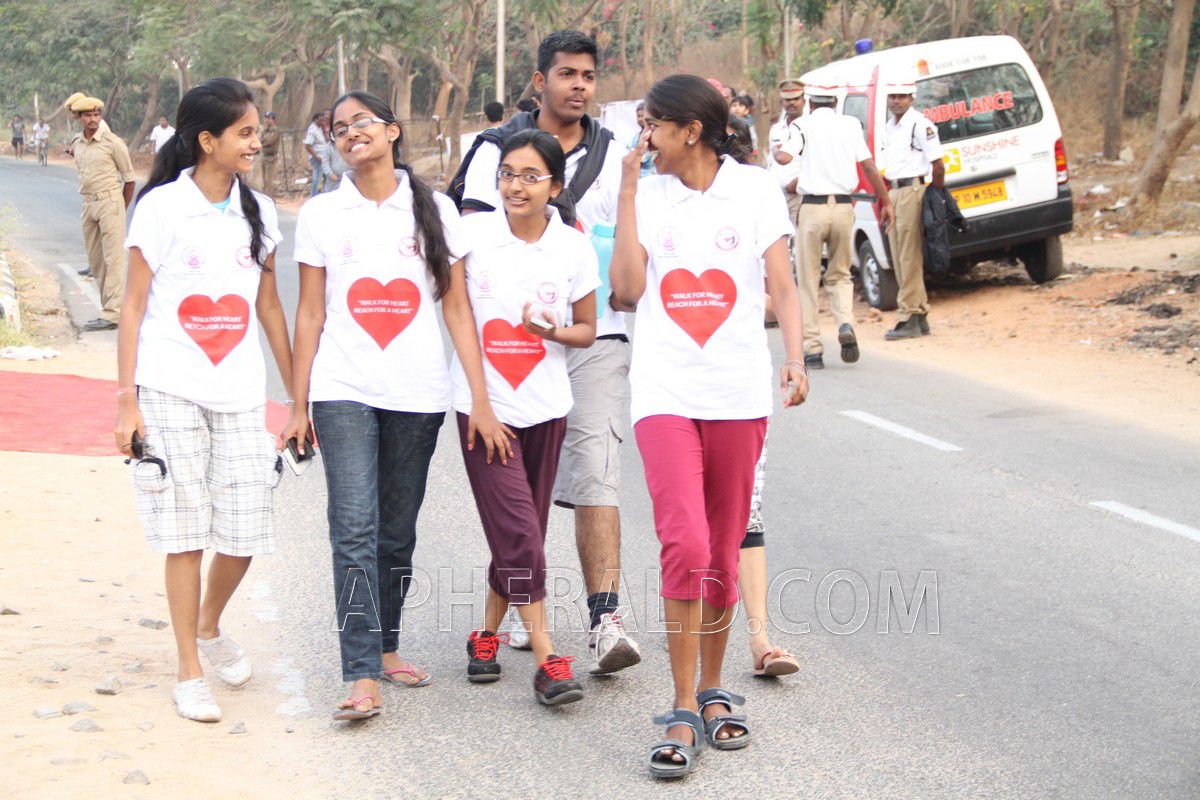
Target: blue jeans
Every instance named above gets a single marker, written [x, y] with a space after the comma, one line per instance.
[376, 465]
[318, 177]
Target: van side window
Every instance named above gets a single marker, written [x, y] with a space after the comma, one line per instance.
[856, 106]
[979, 101]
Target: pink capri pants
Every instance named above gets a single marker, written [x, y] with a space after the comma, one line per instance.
[701, 476]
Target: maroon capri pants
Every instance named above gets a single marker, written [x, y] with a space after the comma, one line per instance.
[514, 505]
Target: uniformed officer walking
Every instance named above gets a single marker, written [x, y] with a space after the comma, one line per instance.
[791, 96]
[269, 138]
[912, 153]
[827, 148]
[106, 183]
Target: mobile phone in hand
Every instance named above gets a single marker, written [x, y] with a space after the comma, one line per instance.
[297, 461]
[541, 323]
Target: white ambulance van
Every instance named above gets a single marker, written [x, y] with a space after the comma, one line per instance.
[1004, 156]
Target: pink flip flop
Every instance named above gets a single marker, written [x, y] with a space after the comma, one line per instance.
[776, 663]
[352, 713]
[411, 670]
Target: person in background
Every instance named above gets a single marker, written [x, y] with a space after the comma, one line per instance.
[527, 104]
[743, 108]
[269, 137]
[160, 134]
[494, 112]
[647, 161]
[106, 182]
[912, 156]
[18, 136]
[316, 142]
[41, 138]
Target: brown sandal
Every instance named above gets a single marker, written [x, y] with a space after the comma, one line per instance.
[775, 663]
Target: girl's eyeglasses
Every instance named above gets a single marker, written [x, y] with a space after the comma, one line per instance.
[362, 123]
[527, 178]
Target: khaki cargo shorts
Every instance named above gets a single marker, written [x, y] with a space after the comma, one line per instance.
[590, 465]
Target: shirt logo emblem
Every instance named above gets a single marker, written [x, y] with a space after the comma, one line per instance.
[193, 257]
[244, 259]
[666, 240]
[408, 246]
[727, 239]
[347, 247]
[547, 293]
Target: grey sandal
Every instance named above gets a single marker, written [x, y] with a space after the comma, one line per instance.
[664, 766]
[713, 726]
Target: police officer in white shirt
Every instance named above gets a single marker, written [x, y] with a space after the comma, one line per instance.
[912, 154]
[791, 96]
[826, 148]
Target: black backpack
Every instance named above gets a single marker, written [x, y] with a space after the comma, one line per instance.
[595, 139]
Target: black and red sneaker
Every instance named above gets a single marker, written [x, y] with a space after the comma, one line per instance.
[481, 650]
[554, 684]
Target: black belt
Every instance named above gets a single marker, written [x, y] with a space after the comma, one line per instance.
[618, 337]
[822, 199]
[900, 183]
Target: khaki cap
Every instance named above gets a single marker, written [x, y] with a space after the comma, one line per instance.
[79, 102]
[791, 88]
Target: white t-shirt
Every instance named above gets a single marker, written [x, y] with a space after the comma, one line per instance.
[315, 136]
[159, 136]
[701, 350]
[598, 206]
[910, 146]
[828, 147]
[199, 338]
[526, 375]
[382, 343]
[779, 135]
[41, 131]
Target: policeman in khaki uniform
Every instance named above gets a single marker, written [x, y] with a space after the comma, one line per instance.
[106, 182]
[912, 152]
[827, 148]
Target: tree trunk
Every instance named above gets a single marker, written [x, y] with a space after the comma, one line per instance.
[1124, 19]
[400, 78]
[363, 82]
[623, 37]
[150, 118]
[442, 102]
[1153, 177]
[269, 88]
[1174, 63]
[648, 30]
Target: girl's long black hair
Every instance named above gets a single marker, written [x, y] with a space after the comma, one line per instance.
[431, 236]
[683, 98]
[211, 106]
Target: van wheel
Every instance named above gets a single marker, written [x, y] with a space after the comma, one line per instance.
[879, 285]
[1043, 260]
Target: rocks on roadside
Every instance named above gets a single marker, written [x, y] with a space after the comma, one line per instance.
[77, 707]
[104, 640]
[137, 776]
[87, 580]
[113, 754]
[42, 679]
[135, 666]
[64, 761]
[110, 685]
[239, 727]
[1163, 310]
[86, 725]
[154, 624]
[145, 726]
[47, 713]
[9, 611]
[60, 666]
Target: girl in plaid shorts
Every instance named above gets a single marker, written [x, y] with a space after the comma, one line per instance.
[192, 376]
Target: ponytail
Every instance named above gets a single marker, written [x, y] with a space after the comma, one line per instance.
[253, 214]
[432, 235]
[173, 157]
[737, 144]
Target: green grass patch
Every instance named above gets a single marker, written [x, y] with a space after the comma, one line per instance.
[11, 337]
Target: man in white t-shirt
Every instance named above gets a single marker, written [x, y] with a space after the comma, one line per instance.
[316, 142]
[161, 133]
[827, 148]
[588, 470]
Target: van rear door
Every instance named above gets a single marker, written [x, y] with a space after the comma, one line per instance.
[998, 135]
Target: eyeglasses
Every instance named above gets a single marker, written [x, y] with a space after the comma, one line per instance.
[527, 178]
[361, 124]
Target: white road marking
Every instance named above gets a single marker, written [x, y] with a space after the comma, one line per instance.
[86, 287]
[900, 430]
[1146, 518]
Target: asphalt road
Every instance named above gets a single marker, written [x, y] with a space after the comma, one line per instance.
[1059, 661]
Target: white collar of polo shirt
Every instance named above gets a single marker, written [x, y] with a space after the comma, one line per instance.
[193, 203]
[348, 195]
[723, 185]
[504, 235]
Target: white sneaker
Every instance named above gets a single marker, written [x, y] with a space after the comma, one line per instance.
[193, 700]
[229, 660]
[518, 637]
[611, 647]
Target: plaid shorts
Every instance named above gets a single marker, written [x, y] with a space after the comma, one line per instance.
[215, 485]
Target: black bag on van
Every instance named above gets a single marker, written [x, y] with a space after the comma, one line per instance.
[939, 211]
[595, 140]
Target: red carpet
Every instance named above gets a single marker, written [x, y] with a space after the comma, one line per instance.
[68, 414]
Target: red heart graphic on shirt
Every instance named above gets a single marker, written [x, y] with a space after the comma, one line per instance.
[698, 304]
[513, 351]
[216, 325]
[383, 311]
